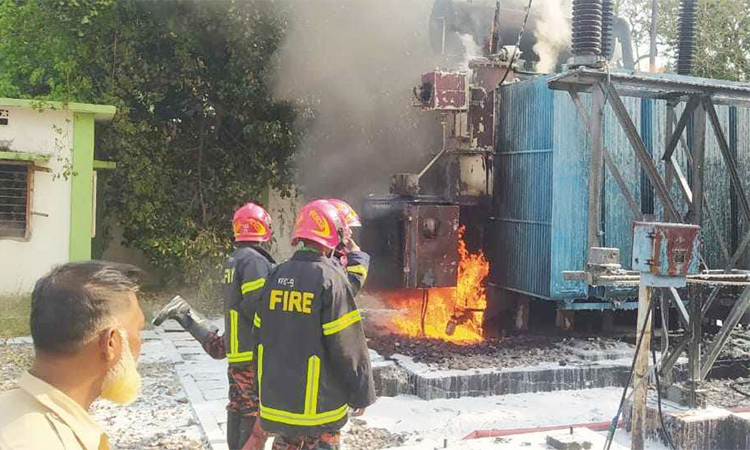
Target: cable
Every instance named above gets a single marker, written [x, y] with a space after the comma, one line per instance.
[518, 44]
[616, 419]
[664, 429]
[735, 388]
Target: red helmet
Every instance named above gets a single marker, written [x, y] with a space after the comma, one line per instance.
[251, 223]
[348, 213]
[319, 221]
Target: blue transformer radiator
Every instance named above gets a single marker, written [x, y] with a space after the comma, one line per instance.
[541, 187]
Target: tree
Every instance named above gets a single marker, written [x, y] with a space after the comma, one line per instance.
[722, 39]
[197, 131]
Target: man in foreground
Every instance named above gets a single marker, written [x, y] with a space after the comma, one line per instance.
[85, 324]
[313, 361]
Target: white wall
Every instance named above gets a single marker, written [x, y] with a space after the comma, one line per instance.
[22, 263]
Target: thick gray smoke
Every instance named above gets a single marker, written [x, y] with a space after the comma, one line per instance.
[553, 31]
[352, 64]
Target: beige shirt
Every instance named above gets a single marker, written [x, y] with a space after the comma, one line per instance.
[39, 417]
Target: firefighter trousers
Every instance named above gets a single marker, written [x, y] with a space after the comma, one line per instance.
[239, 429]
[326, 441]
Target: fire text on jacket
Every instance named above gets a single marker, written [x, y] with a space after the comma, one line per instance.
[291, 301]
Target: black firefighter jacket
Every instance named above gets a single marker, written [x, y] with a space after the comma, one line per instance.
[245, 274]
[357, 266]
[313, 361]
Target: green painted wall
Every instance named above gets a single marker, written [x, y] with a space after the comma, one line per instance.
[81, 195]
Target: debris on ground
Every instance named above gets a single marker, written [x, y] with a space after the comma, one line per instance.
[514, 351]
[358, 436]
[727, 393]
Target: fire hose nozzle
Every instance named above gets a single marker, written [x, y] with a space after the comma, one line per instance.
[451, 327]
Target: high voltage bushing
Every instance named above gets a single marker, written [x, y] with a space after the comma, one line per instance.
[587, 27]
[686, 48]
[608, 19]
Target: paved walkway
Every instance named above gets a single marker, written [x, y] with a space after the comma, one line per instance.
[203, 378]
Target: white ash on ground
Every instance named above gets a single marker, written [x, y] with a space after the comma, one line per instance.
[161, 418]
[430, 424]
[510, 352]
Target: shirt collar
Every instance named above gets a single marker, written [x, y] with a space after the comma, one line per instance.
[91, 435]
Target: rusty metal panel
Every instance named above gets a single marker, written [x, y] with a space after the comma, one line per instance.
[665, 249]
[487, 74]
[444, 91]
[431, 246]
[482, 117]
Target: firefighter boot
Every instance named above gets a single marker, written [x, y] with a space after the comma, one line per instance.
[257, 440]
[193, 322]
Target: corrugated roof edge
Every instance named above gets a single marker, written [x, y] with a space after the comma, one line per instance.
[102, 113]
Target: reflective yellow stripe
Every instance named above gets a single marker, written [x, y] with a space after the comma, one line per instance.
[341, 323]
[308, 420]
[234, 355]
[256, 320]
[240, 357]
[254, 285]
[313, 380]
[260, 368]
[310, 417]
[358, 269]
[234, 342]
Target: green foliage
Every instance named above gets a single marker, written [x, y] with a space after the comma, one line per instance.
[197, 132]
[722, 41]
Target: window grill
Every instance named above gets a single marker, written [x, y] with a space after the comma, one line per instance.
[15, 197]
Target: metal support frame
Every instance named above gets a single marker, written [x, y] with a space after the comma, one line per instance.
[635, 208]
[694, 347]
[640, 151]
[675, 136]
[734, 176]
[596, 170]
[684, 316]
[695, 214]
[701, 96]
[738, 310]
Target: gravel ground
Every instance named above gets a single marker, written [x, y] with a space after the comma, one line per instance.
[160, 419]
[14, 359]
[358, 436]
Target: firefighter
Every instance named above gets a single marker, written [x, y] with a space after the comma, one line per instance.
[243, 277]
[313, 361]
[348, 253]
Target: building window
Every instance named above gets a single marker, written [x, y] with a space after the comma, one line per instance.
[15, 199]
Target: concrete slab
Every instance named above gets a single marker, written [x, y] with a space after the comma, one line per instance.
[705, 428]
[400, 375]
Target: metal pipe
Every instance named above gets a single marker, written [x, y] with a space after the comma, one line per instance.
[440, 153]
[621, 32]
[652, 36]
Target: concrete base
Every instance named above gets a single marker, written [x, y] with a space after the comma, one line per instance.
[698, 429]
[402, 376]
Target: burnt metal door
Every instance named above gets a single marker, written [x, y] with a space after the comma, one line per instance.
[431, 246]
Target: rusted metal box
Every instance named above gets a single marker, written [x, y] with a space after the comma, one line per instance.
[431, 250]
[443, 91]
[665, 249]
[413, 242]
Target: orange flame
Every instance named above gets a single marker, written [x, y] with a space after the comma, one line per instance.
[468, 300]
